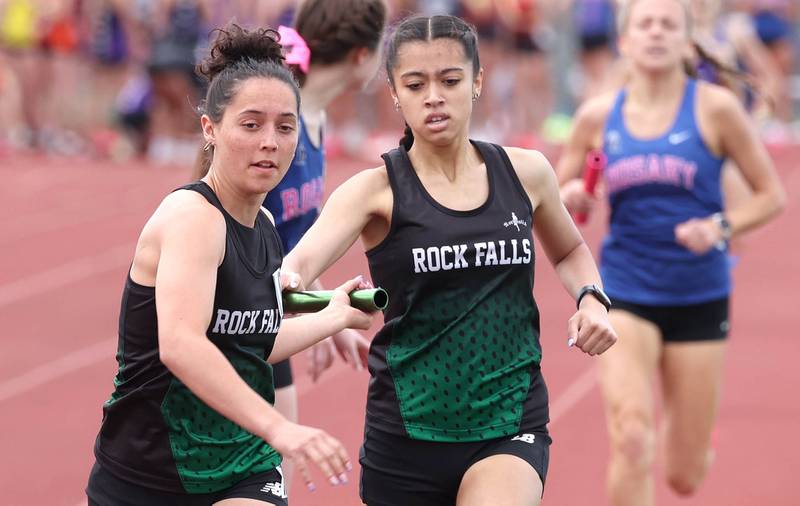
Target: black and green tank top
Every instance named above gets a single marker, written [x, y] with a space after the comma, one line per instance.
[458, 356]
[157, 433]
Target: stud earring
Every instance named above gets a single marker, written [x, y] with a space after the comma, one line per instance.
[396, 105]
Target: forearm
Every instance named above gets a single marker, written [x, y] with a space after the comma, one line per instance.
[202, 367]
[315, 285]
[299, 333]
[757, 210]
[577, 269]
[306, 268]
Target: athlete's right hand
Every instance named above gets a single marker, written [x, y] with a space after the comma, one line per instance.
[303, 445]
[340, 304]
[576, 199]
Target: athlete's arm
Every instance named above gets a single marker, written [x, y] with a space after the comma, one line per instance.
[191, 241]
[740, 143]
[586, 135]
[351, 345]
[297, 334]
[565, 248]
[727, 129]
[360, 206]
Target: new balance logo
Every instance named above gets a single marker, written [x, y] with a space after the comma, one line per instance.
[275, 488]
[525, 438]
[515, 222]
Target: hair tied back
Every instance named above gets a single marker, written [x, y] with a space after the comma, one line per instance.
[299, 54]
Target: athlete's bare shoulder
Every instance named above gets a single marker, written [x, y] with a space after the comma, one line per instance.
[595, 111]
[368, 190]
[186, 205]
[715, 98]
[533, 170]
[184, 218]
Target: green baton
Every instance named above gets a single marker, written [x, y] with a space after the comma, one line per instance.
[369, 300]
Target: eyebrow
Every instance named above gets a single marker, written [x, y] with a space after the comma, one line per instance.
[415, 73]
[256, 111]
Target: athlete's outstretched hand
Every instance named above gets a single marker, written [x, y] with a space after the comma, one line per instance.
[698, 235]
[304, 445]
[320, 358]
[589, 329]
[353, 348]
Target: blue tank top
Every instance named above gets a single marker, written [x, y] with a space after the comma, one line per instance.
[653, 185]
[296, 201]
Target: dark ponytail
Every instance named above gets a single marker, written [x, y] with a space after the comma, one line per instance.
[408, 138]
[423, 28]
[236, 55]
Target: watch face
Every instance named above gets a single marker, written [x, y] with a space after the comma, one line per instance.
[597, 293]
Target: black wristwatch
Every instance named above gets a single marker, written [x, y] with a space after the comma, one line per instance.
[596, 292]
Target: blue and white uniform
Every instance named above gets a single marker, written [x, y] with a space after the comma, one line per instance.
[653, 185]
[296, 201]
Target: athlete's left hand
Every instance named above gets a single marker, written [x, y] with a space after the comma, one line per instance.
[698, 235]
[351, 346]
[320, 358]
[589, 329]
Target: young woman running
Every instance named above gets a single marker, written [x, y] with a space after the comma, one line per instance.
[333, 48]
[457, 409]
[664, 260]
[190, 420]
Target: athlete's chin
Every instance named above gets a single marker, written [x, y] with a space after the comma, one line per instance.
[440, 139]
[264, 183]
[659, 66]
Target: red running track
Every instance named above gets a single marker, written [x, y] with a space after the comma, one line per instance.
[66, 239]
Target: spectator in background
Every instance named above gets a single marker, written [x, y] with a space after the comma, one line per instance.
[181, 26]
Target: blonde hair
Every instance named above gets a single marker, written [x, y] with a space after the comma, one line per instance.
[624, 8]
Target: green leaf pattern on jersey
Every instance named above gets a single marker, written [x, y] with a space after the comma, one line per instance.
[461, 361]
[211, 452]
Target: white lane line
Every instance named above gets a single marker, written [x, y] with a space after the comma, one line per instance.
[574, 393]
[55, 369]
[65, 274]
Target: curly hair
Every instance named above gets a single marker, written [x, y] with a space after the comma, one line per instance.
[236, 55]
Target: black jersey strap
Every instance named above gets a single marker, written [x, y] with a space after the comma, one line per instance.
[497, 154]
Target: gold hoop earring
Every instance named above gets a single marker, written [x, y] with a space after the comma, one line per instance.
[208, 146]
[475, 96]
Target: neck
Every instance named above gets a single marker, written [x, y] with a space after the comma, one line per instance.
[654, 87]
[324, 84]
[244, 207]
[449, 160]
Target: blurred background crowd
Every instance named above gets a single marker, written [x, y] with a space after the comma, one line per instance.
[115, 78]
